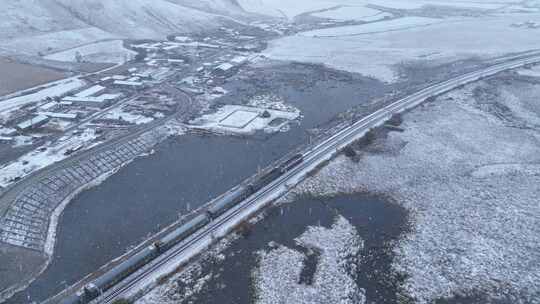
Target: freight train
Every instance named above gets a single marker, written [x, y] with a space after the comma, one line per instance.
[119, 272]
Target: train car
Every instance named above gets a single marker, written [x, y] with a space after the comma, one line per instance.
[182, 232]
[229, 200]
[73, 299]
[292, 162]
[266, 179]
[132, 264]
[135, 262]
[120, 272]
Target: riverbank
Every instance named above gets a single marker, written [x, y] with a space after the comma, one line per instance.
[341, 247]
[466, 168]
[59, 190]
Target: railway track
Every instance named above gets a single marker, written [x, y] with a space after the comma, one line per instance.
[312, 158]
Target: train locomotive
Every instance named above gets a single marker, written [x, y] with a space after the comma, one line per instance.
[121, 271]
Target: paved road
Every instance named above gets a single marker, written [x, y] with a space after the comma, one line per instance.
[312, 158]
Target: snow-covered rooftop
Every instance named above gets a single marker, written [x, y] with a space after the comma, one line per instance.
[32, 122]
[128, 83]
[93, 90]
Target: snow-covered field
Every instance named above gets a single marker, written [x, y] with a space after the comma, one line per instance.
[470, 179]
[239, 118]
[278, 273]
[291, 9]
[359, 13]
[276, 8]
[399, 24]
[236, 119]
[54, 41]
[377, 54]
[106, 51]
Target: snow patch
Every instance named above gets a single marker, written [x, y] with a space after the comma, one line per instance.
[400, 24]
[359, 13]
[105, 51]
[278, 274]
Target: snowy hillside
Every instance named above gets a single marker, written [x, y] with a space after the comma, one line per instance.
[63, 24]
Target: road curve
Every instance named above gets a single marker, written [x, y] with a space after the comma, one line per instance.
[313, 157]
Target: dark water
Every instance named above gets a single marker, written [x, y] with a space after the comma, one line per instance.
[378, 222]
[103, 222]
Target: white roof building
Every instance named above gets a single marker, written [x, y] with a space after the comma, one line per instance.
[239, 60]
[103, 97]
[33, 122]
[91, 91]
[68, 116]
[110, 96]
[182, 38]
[225, 67]
[97, 101]
[48, 106]
[128, 83]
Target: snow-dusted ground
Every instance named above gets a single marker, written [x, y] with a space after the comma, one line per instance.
[239, 118]
[277, 8]
[359, 13]
[106, 51]
[118, 113]
[276, 277]
[192, 276]
[278, 273]
[58, 88]
[470, 180]
[54, 41]
[236, 119]
[399, 24]
[533, 72]
[290, 9]
[358, 49]
[272, 102]
[35, 160]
